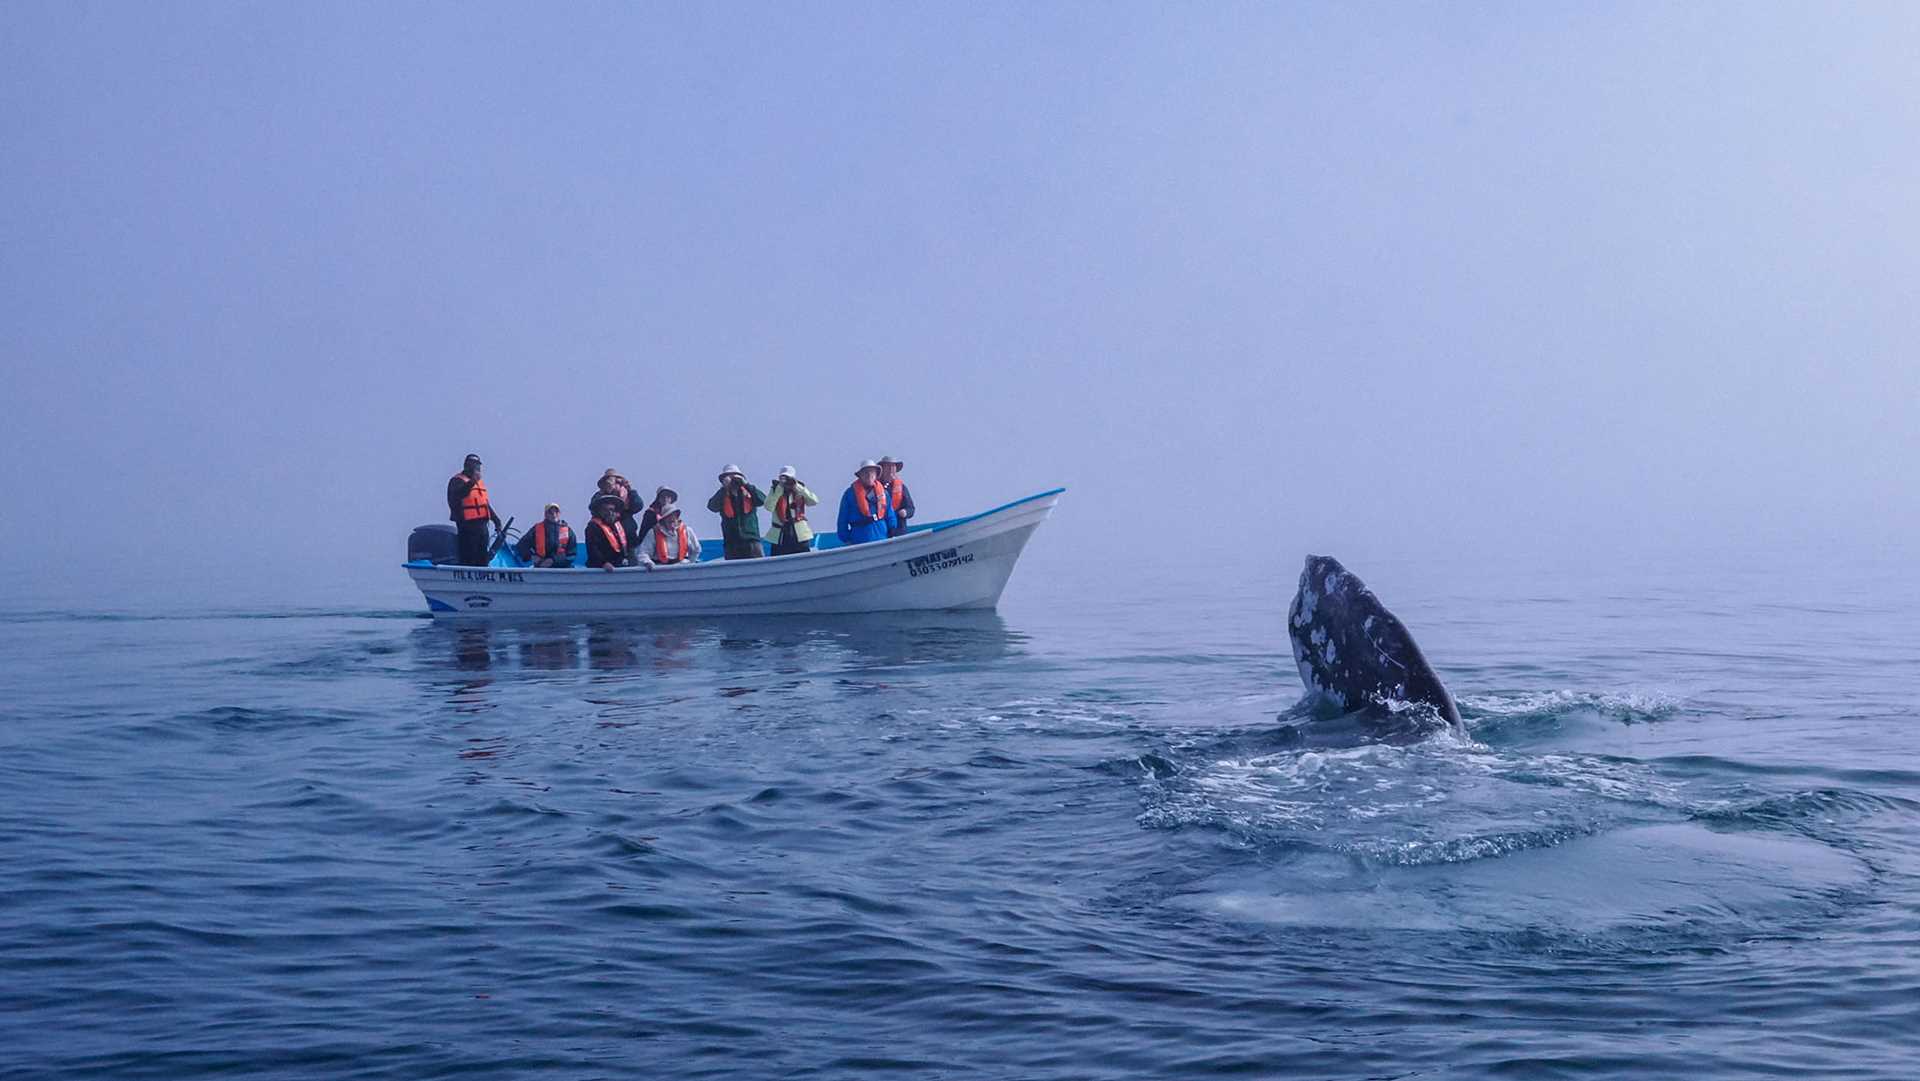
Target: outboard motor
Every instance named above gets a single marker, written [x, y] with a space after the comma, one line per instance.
[438, 543]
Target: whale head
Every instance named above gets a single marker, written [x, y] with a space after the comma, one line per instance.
[1354, 653]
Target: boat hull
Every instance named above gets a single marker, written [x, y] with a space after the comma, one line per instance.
[963, 564]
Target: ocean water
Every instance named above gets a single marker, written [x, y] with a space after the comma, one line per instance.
[1065, 840]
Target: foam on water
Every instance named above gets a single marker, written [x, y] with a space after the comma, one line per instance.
[1675, 876]
[1457, 835]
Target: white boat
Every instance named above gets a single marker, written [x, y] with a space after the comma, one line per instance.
[957, 564]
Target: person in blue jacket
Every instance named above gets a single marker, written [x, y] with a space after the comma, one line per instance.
[864, 509]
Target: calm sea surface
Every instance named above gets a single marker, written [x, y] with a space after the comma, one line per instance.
[1066, 840]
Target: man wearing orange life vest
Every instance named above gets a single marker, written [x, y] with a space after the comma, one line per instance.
[863, 507]
[670, 541]
[470, 510]
[550, 543]
[898, 497]
[738, 505]
[789, 502]
[608, 545]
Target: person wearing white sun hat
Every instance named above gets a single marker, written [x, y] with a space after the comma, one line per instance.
[863, 507]
[898, 498]
[738, 505]
[670, 541]
[790, 500]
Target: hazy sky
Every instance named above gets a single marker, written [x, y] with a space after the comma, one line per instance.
[1392, 278]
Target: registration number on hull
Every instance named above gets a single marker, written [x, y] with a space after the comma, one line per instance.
[489, 576]
[935, 562]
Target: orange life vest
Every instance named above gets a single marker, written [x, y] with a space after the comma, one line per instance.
[799, 507]
[475, 508]
[660, 542]
[616, 535]
[726, 502]
[895, 488]
[540, 538]
[874, 508]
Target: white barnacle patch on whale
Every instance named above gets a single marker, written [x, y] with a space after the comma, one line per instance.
[1303, 609]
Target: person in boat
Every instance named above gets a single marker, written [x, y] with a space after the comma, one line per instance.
[613, 483]
[788, 500]
[471, 511]
[670, 541]
[663, 497]
[863, 507]
[899, 500]
[608, 545]
[550, 543]
[738, 505]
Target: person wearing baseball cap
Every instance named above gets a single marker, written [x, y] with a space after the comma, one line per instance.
[471, 511]
[738, 505]
[863, 507]
[898, 497]
[550, 543]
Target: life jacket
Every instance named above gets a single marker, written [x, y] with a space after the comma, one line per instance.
[616, 536]
[726, 502]
[895, 488]
[660, 542]
[475, 508]
[780, 507]
[875, 507]
[540, 538]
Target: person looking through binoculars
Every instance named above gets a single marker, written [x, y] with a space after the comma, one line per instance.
[738, 505]
[788, 503]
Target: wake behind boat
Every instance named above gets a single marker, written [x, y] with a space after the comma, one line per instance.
[955, 564]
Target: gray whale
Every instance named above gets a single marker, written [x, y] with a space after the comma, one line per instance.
[1352, 652]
